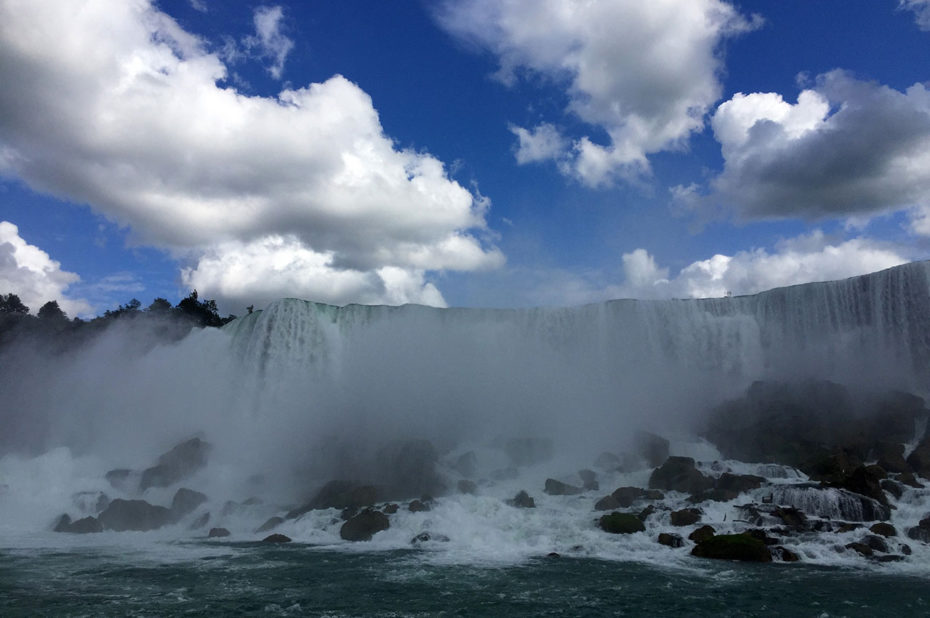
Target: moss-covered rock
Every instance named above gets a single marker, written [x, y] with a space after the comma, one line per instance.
[621, 523]
[733, 547]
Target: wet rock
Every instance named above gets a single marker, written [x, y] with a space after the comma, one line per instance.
[791, 517]
[762, 535]
[608, 462]
[271, 524]
[861, 548]
[417, 506]
[685, 517]
[892, 487]
[425, 537]
[702, 534]
[364, 525]
[218, 533]
[467, 487]
[621, 523]
[558, 488]
[348, 513]
[920, 532]
[176, 465]
[876, 542]
[339, 494]
[680, 474]
[185, 501]
[733, 547]
[608, 503]
[528, 451]
[652, 448]
[626, 496]
[919, 459]
[85, 525]
[200, 522]
[466, 464]
[830, 503]
[784, 554]
[408, 468]
[910, 480]
[653, 494]
[553, 554]
[890, 457]
[884, 529]
[137, 515]
[522, 500]
[671, 540]
[123, 479]
[646, 512]
[389, 509]
[736, 484]
[589, 480]
[864, 480]
[276, 538]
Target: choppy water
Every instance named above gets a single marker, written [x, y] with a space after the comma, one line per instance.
[247, 578]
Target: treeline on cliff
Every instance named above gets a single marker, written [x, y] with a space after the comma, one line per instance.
[53, 331]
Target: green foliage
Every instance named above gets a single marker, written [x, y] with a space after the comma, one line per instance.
[51, 311]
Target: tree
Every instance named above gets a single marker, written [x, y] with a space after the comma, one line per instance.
[51, 311]
[10, 303]
[160, 305]
[202, 312]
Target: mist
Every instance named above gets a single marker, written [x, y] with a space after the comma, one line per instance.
[300, 393]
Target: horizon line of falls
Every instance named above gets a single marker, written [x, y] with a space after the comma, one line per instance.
[589, 373]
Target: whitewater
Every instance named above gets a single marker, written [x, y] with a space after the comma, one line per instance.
[301, 393]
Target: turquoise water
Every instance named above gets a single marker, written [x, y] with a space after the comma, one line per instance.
[253, 579]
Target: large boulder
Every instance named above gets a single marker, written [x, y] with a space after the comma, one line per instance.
[626, 496]
[733, 547]
[339, 494]
[522, 501]
[919, 459]
[185, 502]
[651, 448]
[138, 515]
[621, 523]
[829, 503]
[407, 469]
[176, 465]
[866, 481]
[364, 525]
[82, 526]
[680, 474]
[685, 517]
[558, 488]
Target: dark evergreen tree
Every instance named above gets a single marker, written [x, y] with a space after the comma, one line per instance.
[10, 303]
[51, 311]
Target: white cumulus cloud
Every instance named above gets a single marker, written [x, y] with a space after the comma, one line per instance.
[645, 73]
[112, 104]
[921, 10]
[846, 148]
[29, 272]
[269, 41]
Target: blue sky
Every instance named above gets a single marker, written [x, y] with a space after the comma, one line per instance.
[470, 153]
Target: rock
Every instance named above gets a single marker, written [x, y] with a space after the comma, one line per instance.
[832, 467]
[679, 474]
[553, 554]
[276, 538]
[176, 465]
[762, 535]
[589, 479]
[348, 513]
[671, 540]
[626, 496]
[733, 547]
[892, 487]
[271, 524]
[908, 479]
[685, 517]
[86, 525]
[138, 515]
[466, 464]
[185, 501]
[408, 469]
[701, 534]
[653, 494]
[791, 517]
[558, 488]
[389, 509]
[608, 462]
[621, 523]
[738, 483]
[123, 479]
[921, 532]
[522, 500]
[890, 457]
[860, 548]
[200, 522]
[528, 451]
[646, 512]
[364, 525]
[467, 487]
[919, 459]
[785, 555]
[876, 542]
[424, 537]
[608, 503]
[652, 448]
[339, 494]
[865, 480]
[884, 529]
[830, 503]
[217, 533]
[417, 506]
